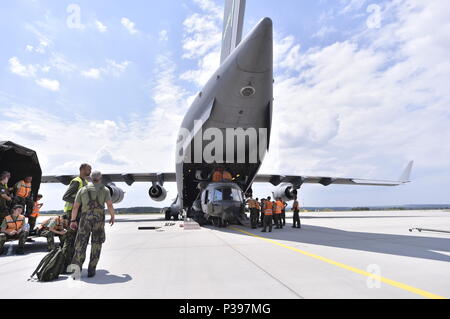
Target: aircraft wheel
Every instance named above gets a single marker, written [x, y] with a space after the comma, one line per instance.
[176, 217]
[216, 222]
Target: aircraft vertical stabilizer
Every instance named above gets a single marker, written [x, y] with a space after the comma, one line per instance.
[233, 23]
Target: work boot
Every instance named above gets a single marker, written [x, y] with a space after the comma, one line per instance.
[263, 231]
[91, 272]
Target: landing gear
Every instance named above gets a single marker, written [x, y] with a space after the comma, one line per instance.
[219, 222]
[167, 213]
[216, 222]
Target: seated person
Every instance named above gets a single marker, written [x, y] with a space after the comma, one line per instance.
[13, 228]
[55, 226]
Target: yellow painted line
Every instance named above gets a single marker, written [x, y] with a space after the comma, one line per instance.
[390, 282]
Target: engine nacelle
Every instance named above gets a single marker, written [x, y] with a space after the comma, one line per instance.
[157, 193]
[286, 191]
[117, 194]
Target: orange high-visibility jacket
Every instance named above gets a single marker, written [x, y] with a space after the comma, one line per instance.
[36, 209]
[279, 207]
[24, 189]
[268, 208]
[14, 225]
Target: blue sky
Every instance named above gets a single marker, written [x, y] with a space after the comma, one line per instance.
[357, 93]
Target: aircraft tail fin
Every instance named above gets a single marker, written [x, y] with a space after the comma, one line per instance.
[233, 23]
[406, 175]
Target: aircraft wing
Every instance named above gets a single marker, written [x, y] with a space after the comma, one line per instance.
[129, 178]
[326, 181]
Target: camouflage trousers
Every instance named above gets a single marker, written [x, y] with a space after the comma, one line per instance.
[51, 238]
[92, 224]
[22, 237]
[69, 246]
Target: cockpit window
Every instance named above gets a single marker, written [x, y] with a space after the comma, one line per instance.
[227, 194]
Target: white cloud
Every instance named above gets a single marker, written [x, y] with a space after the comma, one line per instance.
[324, 31]
[29, 48]
[60, 63]
[163, 36]
[352, 5]
[202, 40]
[129, 25]
[116, 68]
[52, 85]
[23, 70]
[100, 26]
[92, 73]
[112, 68]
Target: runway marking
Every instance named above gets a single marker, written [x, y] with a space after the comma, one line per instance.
[390, 282]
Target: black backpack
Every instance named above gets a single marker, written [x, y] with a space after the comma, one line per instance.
[51, 266]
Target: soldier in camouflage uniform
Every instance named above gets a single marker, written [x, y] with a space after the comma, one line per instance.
[69, 197]
[5, 195]
[55, 226]
[91, 199]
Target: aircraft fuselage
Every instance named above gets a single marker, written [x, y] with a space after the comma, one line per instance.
[237, 97]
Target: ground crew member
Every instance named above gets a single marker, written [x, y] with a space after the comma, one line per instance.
[261, 209]
[5, 195]
[283, 213]
[254, 212]
[278, 210]
[55, 226]
[91, 199]
[13, 228]
[35, 214]
[268, 214]
[69, 197]
[258, 208]
[23, 195]
[296, 210]
[221, 175]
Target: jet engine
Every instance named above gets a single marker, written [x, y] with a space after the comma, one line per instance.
[157, 193]
[117, 194]
[286, 191]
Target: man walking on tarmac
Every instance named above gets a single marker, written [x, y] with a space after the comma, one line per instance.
[69, 197]
[278, 210]
[296, 210]
[92, 200]
[254, 212]
[268, 213]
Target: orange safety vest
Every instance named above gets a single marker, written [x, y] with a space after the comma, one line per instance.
[24, 189]
[217, 177]
[14, 225]
[279, 207]
[36, 209]
[268, 210]
[252, 203]
[227, 176]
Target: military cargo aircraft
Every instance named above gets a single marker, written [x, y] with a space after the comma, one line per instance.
[238, 98]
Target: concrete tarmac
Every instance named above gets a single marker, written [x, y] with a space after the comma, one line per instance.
[335, 255]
